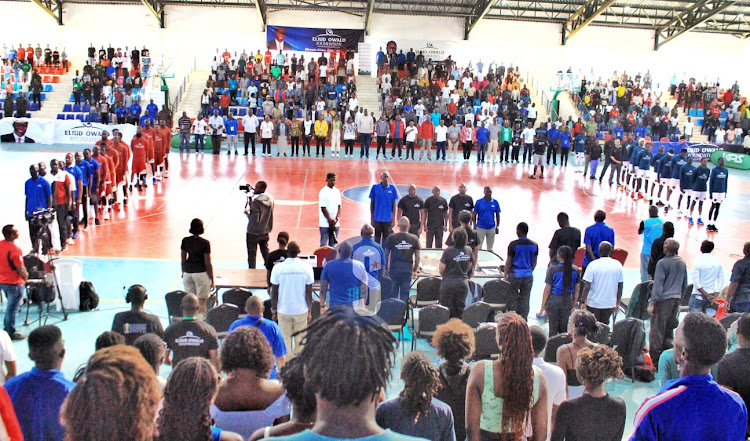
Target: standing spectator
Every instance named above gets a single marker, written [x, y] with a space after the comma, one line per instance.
[487, 218]
[383, 197]
[707, 278]
[415, 411]
[426, 135]
[321, 133]
[566, 235]
[382, 129]
[554, 376]
[197, 270]
[329, 206]
[738, 293]
[700, 342]
[505, 407]
[191, 337]
[266, 135]
[651, 229]
[595, 416]
[456, 266]
[281, 132]
[519, 269]
[412, 207]
[343, 281]
[250, 125]
[260, 223]
[454, 137]
[8, 367]
[670, 281]
[731, 371]
[38, 197]
[602, 285]
[402, 257]
[365, 129]
[199, 129]
[232, 126]
[136, 322]
[38, 395]
[560, 291]
[216, 124]
[458, 203]
[657, 249]
[291, 297]
[436, 209]
[594, 235]
[13, 276]
[21, 105]
[454, 343]
[468, 138]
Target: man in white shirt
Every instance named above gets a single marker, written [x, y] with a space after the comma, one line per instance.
[266, 135]
[7, 358]
[528, 139]
[557, 388]
[199, 129]
[602, 285]
[250, 124]
[329, 211]
[291, 297]
[688, 129]
[441, 140]
[707, 278]
[216, 123]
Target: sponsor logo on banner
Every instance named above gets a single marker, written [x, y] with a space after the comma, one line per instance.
[733, 160]
[702, 150]
[84, 133]
[53, 131]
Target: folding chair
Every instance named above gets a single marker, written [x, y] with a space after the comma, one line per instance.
[602, 335]
[393, 313]
[629, 339]
[485, 337]
[476, 314]
[496, 293]
[685, 299]
[221, 318]
[550, 352]
[236, 297]
[430, 317]
[173, 300]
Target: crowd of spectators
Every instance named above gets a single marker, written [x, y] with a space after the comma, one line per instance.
[21, 70]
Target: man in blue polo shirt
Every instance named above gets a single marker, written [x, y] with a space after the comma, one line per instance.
[693, 407]
[371, 254]
[38, 197]
[594, 235]
[134, 113]
[383, 198]
[254, 309]
[487, 218]
[38, 395]
[519, 267]
[343, 281]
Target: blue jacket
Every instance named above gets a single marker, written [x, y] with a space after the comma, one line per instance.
[644, 159]
[686, 177]
[634, 155]
[677, 163]
[718, 180]
[700, 179]
[665, 167]
[692, 408]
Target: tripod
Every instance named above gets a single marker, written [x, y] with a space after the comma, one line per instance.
[45, 286]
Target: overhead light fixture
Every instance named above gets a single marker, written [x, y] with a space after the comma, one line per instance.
[626, 8]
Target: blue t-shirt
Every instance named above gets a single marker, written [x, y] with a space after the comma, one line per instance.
[718, 181]
[640, 131]
[232, 84]
[594, 235]
[523, 253]
[482, 135]
[555, 276]
[686, 177]
[435, 117]
[653, 228]
[36, 191]
[344, 277]
[692, 408]
[384, 198]
[580, 143]
[270, 330]
[77, 174]
[86, 170]
[37, 396]
[565, 140]
[700, 179]
[372, 256]
[143, 120]
[135, 110]
[231, 126]
[152, 110]
[485, 211]
[677, 163]
[121, 112]
[308, 435]
[618, 132]
[553, 134]
[436, 424]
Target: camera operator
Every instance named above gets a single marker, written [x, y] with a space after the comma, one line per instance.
[38, 197]
[260, 221]
[13, 276]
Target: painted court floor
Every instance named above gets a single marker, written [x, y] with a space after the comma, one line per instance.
[141, 243]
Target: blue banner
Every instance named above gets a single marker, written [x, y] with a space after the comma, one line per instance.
[696, 150]
[285, 38]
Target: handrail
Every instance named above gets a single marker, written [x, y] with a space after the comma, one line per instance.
[183, 88]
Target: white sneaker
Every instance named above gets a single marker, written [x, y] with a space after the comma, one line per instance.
[166, 173]
[70, 241]
[106, 215]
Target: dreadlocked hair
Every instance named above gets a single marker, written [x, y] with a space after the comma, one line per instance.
[115, 378]
[190, 390]
[347, 357]
[514, 339]
[421, 383]
[567, 260]
[597, 364]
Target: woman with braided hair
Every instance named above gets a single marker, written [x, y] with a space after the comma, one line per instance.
[185, 414]
[415, 411]
[506, 400]
[595, 416]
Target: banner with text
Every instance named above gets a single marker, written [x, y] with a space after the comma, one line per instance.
[286, 38]
[52, 131]
[431, 50]
[697, 150]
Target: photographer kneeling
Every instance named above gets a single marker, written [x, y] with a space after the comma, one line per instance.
[260, 221]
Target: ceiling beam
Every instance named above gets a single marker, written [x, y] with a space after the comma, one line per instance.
[583, 16]
[688, 20]
[156, 8]
[52, 7]
[260, 6]
[478, 11]
[368, 15]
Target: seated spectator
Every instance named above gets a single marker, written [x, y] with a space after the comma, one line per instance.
[152, 347]
[699, 343]
[347, 393]
[254, 309]
[107, 339]
[504, 395]
[343, 281]
[190, 337]
[188, 395]
[37, 395]
[454, 342]
[557, 391]
[415, 412]
[668, 369]
[136, 322]
[582, 324]
[116, 399]
[7, 358]
[732, 369]
[247, 399]
[302, 398]
[594, 416]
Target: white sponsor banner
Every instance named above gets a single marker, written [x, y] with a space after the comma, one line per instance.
[431, 49]
[52, 131]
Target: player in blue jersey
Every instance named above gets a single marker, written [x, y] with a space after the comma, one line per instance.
[700, 189]
[655, 165]
[686, 184]
[664, 176]
[643, 160]
[674, 181]
[717, 188]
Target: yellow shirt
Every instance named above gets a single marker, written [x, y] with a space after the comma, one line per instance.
[321, 128]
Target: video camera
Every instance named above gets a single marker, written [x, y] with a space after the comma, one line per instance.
[247, 188]
[43, 217]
